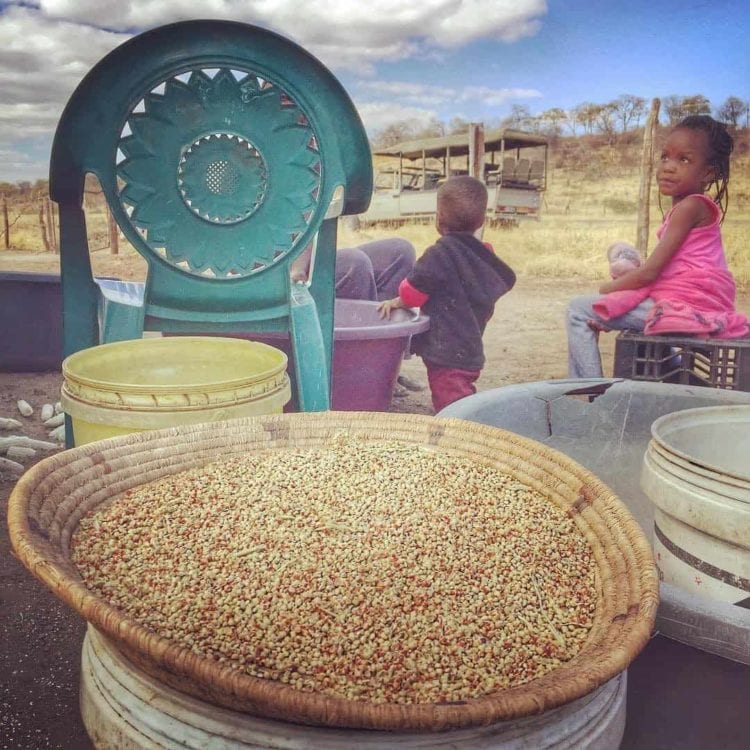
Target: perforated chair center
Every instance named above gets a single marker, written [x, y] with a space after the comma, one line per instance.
[222, 178]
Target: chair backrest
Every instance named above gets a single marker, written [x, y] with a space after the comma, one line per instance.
[522, 171]
[221, 149]
[536, 173]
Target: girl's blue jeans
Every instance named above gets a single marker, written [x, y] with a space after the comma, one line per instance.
[584, 358]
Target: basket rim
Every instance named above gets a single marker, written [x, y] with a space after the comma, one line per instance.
[629, 619]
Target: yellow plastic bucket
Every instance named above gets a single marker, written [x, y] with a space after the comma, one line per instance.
[148, 384]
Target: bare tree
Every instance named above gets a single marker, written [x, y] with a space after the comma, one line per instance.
[458, 125]
[629, 109]
[673, 108]
[434, 129]
[520, 117]
[551, 120]
[678, 107]
[732, 110]
[697, 105]
[394, 133]
[586, 115]
[605, 119]
[572, 121]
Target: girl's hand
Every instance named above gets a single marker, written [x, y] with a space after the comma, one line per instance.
[299, 271]
[385, 308]
[689, 213]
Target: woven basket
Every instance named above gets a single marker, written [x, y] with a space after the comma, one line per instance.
[48, 501]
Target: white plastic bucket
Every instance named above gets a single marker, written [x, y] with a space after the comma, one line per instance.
[123, 707]
[697, 473]
[149, 384]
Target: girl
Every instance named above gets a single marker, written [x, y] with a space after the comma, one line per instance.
[684, 286]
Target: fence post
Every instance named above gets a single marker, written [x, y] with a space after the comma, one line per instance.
[51, 228]
[113, 232]
[644, 189]
[42, 227]
[6, 223]
[476, 150]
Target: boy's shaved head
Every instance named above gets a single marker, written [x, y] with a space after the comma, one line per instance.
[461, 204]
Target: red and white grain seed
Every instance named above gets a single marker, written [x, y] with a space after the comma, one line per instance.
[374, 571]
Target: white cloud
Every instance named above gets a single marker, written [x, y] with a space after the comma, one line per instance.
[20, 165]
[42, 61]
[495, 97]
[344, 34]
[46, 47]
[412, 92]
[346, 23]
[378, 115]
[426, 95]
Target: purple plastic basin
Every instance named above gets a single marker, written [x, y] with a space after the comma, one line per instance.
[30, 322]
[367, 353]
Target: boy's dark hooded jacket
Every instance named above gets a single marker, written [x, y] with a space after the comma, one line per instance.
[464, 279]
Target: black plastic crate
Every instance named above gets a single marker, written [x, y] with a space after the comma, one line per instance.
[716, 363]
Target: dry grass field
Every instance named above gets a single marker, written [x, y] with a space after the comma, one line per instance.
[587, 206]
[591, 201]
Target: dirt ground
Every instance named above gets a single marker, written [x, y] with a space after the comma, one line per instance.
[40, 638]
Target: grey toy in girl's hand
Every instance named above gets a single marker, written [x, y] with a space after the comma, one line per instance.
[622, 258]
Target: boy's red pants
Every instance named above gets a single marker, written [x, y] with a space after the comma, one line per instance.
[448, 384]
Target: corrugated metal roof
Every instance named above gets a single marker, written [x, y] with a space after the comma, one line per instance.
[459, 144]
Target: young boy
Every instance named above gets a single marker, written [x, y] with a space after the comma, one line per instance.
[456, 282]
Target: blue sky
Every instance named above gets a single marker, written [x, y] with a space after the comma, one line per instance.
[473, 59]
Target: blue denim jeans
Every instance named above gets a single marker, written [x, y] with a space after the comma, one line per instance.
[584, 358]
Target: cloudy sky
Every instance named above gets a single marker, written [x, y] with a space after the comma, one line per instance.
[473, 59]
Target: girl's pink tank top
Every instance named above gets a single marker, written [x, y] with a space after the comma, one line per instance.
[702, 247]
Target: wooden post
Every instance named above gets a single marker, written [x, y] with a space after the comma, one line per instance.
[51, 228]
[644, 190]
[476, 150]
[42, 227]
[6, 223]
[113, 232]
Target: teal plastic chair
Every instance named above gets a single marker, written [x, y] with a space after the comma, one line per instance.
[223, 151]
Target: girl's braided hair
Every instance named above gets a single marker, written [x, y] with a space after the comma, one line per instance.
[720, 146]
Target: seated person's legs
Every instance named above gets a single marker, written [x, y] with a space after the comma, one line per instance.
[373, 271]
[583, 326]
[584, 359]
[354, 275]
[392, 259]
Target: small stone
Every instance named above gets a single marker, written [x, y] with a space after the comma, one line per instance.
[55, 420]
[25, 408]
